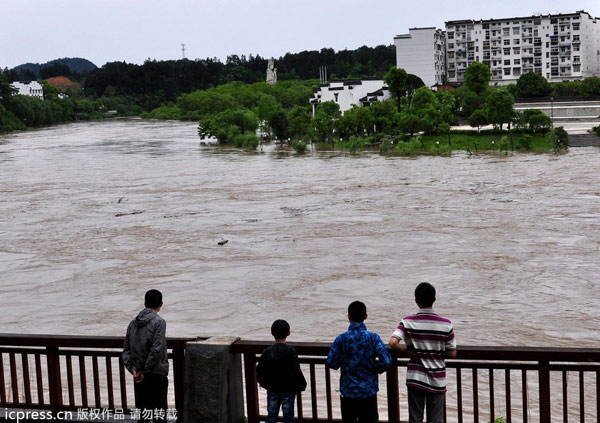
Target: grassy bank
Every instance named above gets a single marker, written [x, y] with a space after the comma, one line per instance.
[444, 144]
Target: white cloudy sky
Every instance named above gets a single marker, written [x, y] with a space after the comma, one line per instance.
[134, 30]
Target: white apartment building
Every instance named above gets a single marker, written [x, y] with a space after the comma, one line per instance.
[422, 53]
[560, 47]
[32, 89]
[351, 93]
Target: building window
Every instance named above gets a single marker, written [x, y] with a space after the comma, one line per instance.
[516, 31]
[506, 42]
[516, 50]
[575, 27]
[517, 61]
[506, 51]
[507, 62]
[517, 42]
[576, 68]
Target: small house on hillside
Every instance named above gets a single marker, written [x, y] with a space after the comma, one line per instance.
[31, 89]
[348, 93]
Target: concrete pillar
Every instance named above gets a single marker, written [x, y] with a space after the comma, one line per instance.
[213, 382]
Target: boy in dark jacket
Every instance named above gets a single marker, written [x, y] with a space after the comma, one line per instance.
[278, 371]
[145, 356]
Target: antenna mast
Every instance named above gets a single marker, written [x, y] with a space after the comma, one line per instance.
[183, 50]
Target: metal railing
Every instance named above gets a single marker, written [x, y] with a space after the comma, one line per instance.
[59, 372]
[484, 383]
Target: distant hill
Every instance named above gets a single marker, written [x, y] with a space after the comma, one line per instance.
[75, 65]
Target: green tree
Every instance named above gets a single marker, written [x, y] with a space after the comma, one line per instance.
[477, 119]
[423, 98]
[535, 119]
[444, 129]
[499, 107]
[280, 124]
[470, 102]
[531, 84]
[413, 82]
[299, 118]
[590, 87]
[326, 117]
[477, 77]
[409, 122]
[396, 79]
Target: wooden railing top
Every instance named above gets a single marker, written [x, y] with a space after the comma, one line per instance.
[487, 353]
[464, 352]
[75, 341]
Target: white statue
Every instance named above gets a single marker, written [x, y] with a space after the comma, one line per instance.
[271, 72]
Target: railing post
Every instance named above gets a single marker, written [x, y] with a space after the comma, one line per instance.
[251, 389]
[393, 392]
[213, 382]
[54, 383]
[544, 382]
[178, 375]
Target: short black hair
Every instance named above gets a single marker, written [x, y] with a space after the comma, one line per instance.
[425, 294]
[153, 298]
[357, 311]
[280, 329]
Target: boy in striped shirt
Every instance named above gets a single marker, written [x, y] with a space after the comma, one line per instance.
[427, 339]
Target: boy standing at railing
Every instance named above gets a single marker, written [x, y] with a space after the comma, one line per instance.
[362, 356]
[145, 356]
[278, 371]
[428, 340]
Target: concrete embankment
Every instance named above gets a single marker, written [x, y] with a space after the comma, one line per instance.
[565, 111]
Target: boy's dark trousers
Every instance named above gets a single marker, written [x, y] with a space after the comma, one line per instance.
[150, 395]
[418, 399]
[361, 410]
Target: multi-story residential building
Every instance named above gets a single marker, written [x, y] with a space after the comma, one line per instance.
[559, 47]
[32, 89]
[422, 53]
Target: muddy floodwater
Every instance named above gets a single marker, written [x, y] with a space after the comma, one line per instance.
[94, 214]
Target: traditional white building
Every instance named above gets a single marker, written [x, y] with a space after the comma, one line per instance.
[422, 52]
[560, 47]
[32, 89]
[351, 93]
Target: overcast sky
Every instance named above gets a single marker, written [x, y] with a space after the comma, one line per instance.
[134, 30]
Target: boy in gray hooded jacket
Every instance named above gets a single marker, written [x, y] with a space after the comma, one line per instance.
[145, 356]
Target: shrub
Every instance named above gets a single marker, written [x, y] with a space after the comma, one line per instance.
[299, 146]
[386, 146]
[524, 142]
[559, 138]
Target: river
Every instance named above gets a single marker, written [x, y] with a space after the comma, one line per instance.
[93, 214]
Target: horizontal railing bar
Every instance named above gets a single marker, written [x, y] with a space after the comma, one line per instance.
[487, 353]
[77, 341]
[68, 352]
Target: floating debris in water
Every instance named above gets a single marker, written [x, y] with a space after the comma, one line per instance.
[127, 214]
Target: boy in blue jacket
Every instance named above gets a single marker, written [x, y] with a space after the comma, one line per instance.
[362, 356]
